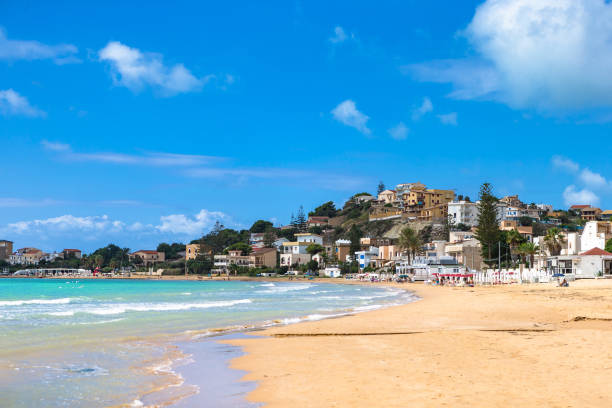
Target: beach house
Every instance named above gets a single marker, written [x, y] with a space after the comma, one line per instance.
[593, 263]
[148, 257]
[294, 252]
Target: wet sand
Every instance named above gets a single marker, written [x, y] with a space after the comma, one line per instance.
[519, 345]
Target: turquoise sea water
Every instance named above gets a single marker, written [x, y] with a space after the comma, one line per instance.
[90, 343]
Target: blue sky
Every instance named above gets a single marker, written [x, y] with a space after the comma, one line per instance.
[141, 123]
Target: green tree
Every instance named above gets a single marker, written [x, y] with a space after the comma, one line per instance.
[381, 187]
[243, 247]
[268, 239]
[554, 240]
[314, 249]
[487, 231]
[410, 242]
[355, 235]
[514, 239]
[300, 220]
[609, 245]
[260, 226]
[327, 209]
[99, 260]
[200, 265]
[529, 249]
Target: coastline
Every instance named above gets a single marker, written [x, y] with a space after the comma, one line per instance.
[456, 346]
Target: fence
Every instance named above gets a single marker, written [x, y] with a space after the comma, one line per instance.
[517, 275]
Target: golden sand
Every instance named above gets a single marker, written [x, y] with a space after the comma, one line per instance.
[507, 346]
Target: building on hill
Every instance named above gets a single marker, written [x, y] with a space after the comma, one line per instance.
[605, 216]
[416, 201]
[6, 249]
[26, 256]
[387, 197]
[463, 212]
[512, 201]
[590, 213]
[148, 257]
[257, 239]
[577, 208]
[316, 221]
[72, 253]
[259, 258]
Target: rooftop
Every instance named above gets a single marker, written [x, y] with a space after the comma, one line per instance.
[596, 251]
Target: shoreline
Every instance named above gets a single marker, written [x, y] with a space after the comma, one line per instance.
[473, 346]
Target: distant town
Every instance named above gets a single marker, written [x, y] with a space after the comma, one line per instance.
[410, 230]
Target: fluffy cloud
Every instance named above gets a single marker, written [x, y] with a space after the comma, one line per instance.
[550, 55]
[98, 230]
[423, 110]
[182, 224]
[33, 50]
[449, 119]
[594, 180]
[593, 183]
[67, 223]
[347, 113]
[399, 132]
[565, 164]
[573, 196]
[13, 104]
[136, 70]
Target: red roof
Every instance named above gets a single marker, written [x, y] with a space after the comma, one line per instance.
[144, 251]
[579, 206]
[596, 251]
[72, 250]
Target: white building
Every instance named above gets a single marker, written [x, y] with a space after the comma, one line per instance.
[587, 265]
[365, 257]
[332, 272]
[463, 212]
[595, 235]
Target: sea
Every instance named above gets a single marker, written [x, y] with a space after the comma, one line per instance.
[105, 343]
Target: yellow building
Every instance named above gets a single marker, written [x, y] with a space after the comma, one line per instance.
[418, 201]
[192, 251]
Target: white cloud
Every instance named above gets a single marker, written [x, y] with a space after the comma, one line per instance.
[147, 159]
[565, 164]
[174, 224]
[449, 119]
[347, 113]
[339, 36]
[193, 226]
[136, 70]
[423, 110]
[550, 55]
[66, 223]
[55, 146]
[594, 180]
[399, 132]
[13, 104]
[572, 196]
[33, 50]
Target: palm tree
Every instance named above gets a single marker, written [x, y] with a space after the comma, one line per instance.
[530, 249]
[410, 242]
[554, 241]
[514, 239]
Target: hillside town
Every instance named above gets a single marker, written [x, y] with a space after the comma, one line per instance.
[410, 231]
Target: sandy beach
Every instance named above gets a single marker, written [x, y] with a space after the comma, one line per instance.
[519, 345]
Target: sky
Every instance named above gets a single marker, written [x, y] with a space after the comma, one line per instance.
[143, 123]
